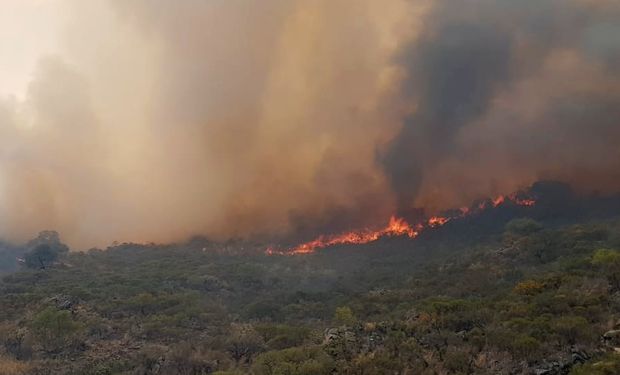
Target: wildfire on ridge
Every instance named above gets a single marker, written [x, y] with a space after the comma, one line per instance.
[395, 227]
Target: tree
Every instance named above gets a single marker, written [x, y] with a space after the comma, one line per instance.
[40, 257]
[45, 249]
[50, 238]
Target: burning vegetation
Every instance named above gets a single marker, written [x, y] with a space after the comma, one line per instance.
[398, 226]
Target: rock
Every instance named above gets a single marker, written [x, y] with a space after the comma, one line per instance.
[335, 334]
[610, 335]
[412, 315]
[552, 368]
[563, 365]
[579, 356]
[611, 338]
[330, 334]
[63, 301]
[377, 292]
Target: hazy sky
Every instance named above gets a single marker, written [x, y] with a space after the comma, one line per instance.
[28, 30]
[153, 120]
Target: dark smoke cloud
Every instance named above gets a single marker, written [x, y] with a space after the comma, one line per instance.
[466, 60]
[454, 71]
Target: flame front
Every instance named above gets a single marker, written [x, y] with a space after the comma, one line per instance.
[396, 227]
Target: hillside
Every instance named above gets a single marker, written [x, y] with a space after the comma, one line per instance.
[499, 293]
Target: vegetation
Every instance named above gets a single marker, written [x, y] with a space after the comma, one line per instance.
[532, 298]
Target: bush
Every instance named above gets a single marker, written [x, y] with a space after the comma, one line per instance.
[608, 365]
[54, 328]
[457, 361]
[344, 315]
[606, 258]
[609, 261]
[108, 368]
[294, 361]
[573, 329]
[12, 367]
[523, 226]
[243, 342]
[525, 346]
[283, 336]
[529, 287]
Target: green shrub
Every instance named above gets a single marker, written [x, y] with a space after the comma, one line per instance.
[294, 361]
[54, 328]
[525, 346]
[344, 315]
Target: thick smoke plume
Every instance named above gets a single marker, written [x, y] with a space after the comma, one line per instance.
[156, 120]
[507, 92]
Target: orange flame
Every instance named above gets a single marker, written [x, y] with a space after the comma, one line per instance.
[396, 227]
[499, 200]
[437, 221]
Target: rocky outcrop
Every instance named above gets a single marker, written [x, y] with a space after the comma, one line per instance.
[63, 301]
[563, 365]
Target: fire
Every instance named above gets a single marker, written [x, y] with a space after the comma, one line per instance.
[396, 227]
[499, 200]
[437, 221]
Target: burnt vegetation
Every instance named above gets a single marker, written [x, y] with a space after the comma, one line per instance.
[510, 290]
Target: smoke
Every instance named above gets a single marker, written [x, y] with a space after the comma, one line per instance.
[454, 72]
[157, 120]
[506, 93]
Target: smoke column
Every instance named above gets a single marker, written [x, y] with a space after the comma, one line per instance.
[156, 120]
